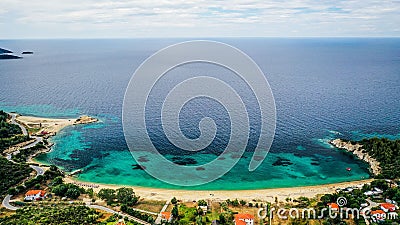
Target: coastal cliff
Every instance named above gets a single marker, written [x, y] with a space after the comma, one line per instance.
[358, 151]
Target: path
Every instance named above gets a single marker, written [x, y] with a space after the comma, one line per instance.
[118, 213]
[13, 121]
[159, 217]
[6, 203]
[39, 170]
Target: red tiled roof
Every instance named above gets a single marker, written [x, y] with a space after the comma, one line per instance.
[388, 206]
[377, 212]
[35, 192]
[166, 215]
[244, 216]
[239, 222]
[333, 205]
[241, 217]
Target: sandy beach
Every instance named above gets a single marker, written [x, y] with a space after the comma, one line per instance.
[51, 125]
[194, 195]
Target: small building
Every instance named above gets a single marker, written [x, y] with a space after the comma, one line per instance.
[333, 206]
[377, 191]
[244, 219]
[378, 215]
[167, 216]
[388, 207]
[120, 222]
[35, 195]
[369, 193]
[204, 209]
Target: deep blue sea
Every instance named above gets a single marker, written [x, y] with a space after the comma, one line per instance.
[324, 88]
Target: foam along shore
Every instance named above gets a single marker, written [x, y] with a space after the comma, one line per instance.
[195, 195]
[358, 151]
[40, 126]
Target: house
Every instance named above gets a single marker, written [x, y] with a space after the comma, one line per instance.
[377, 191]
[120, 222]
[35, 195]
[378, 215]
[333, 206]
[388, 207]
[204, 209]
[244, 219]
[166, 216]
[369, 193]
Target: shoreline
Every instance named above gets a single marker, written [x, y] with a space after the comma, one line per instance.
[358, 151]
[267, 194]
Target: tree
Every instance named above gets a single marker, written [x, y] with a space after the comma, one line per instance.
[56, 181]
[12, 191]
[243, 202]
[90, 192]
[126, 196]
[235, 203]
[174, 201]
[107, 195]
[175, 212]
[202, 203]
[72, 193]
[222, 219]
[60, 190]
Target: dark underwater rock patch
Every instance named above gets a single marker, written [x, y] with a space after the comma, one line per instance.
[282, 162]
[183, 161]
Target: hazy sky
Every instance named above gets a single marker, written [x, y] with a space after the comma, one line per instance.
[178, 18]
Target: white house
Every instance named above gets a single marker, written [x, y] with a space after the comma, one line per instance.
[35, 195]
[244, 219]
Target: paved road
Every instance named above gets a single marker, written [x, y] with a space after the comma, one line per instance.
[371, 203]
[38, 139]
[13, 117]
[6, 203]
[115, 212]
[39, 170]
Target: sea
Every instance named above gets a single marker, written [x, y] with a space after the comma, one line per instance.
[324, 88]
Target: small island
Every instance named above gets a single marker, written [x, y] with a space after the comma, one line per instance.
[27, 53]
[5, 51]
[7, 54]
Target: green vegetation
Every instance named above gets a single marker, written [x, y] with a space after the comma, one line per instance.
[387, 153]
[7, 130]
[55, 215]
[68, 190]
[10, 134]
[121, 195]
[23, 154]
[137, 214]
[12, 174]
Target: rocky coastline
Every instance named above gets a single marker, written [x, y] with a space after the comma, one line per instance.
[359, 152]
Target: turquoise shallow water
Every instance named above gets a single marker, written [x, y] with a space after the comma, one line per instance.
[323, 88]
